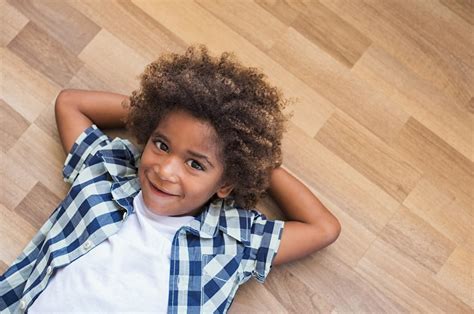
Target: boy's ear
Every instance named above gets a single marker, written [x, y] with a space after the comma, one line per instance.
[225, 190]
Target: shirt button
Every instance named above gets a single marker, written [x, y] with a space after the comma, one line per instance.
[22, 305]
[49, 270]
[87, 244]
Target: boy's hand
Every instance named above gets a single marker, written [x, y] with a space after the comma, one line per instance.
[76, 110]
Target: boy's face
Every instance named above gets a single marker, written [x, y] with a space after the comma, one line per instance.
[168, 163]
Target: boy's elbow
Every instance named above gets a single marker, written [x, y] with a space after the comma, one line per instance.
[65, 101]
[336, 230]
[333, 230]
[62, 97]
[59, 103]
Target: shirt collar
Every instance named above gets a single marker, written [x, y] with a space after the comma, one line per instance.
[123, 192]
[121, 160]
[220, 215]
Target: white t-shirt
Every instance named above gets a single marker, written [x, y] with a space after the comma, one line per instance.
[127, 272]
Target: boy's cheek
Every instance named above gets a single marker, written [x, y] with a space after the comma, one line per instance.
[140, 175]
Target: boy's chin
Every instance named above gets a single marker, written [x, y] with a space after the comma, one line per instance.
[162, 211]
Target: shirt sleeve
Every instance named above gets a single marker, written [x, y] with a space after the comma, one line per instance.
[85, 146]
[265, 241]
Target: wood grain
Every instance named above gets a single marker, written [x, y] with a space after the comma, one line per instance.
[41, 156]
[428, 152]
[449, 119]
[417, 239]
[334, 81]
[400, 37]
[15, 233]
[38, 205]
[16, 182]
[102, 60]
[12, 125]
[350, 190]
[25, 89]
[132, 26]
[326, 30]
[406, 282]
[369, 155]
[60, 21]
[12, 22]
[463, 8]
[44, 53]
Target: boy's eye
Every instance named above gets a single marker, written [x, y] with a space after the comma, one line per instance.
[199, 167]
[160, 145]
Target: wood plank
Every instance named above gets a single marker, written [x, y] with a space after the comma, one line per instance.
[465, 205]
[16, 182]
[253, 297]
[12, 125]
[354, 239]
[406, 282]
[46, 121]
[132, 26]
[457, 275]
[66, 25]
[248, 19]
[342, 286]
[389, 30]
[24, 88]
[356, 98]
[441, 209]
[15, 234]
[294, 294]
[12, 22]
[43, 157]
[433, 156]
[86, 78]
[42, 52]
[431, 21]
[328, 31]
[450, 120]
[37, 205]
[463, 8]
[369, 155]
[349, 190]
[285, 11]
[108, 64]
[417, 239]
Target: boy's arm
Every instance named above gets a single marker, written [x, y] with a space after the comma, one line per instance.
[311, 226]
[76, 110]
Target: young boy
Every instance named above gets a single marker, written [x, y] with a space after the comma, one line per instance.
[170, 227]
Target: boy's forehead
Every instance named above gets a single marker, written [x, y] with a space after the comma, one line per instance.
[198, 134]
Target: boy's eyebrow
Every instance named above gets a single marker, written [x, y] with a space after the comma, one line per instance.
[190, 152]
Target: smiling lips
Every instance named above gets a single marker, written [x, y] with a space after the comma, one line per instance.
[160, 192]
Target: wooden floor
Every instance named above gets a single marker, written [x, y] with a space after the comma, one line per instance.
[382, 130]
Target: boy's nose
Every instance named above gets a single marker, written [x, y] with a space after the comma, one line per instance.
[167, 169]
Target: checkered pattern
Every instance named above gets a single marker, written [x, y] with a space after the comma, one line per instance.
[219, 250]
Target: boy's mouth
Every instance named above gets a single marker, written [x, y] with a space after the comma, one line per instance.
[159, 191]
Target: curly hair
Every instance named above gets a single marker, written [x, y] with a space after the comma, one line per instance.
[245, 111]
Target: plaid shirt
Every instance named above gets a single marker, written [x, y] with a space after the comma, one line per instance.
[211, 256]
